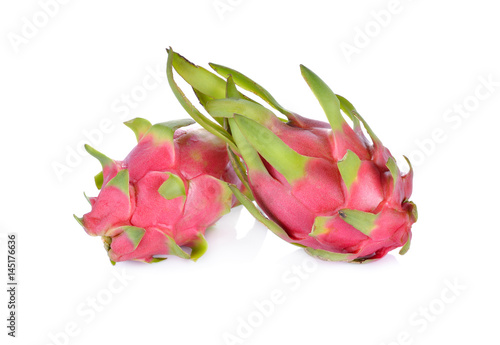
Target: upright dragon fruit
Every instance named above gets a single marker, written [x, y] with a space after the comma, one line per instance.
[163, 195]
[323, 186]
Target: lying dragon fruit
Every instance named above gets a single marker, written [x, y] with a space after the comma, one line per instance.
[323, 186]
[166, 192]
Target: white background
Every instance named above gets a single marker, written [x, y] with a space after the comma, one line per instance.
[64, 73]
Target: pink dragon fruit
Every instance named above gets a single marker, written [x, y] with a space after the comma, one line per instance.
[323, 186]
[167, 191]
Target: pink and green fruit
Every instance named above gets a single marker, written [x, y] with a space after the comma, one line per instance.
[323, 186]
[163, 195]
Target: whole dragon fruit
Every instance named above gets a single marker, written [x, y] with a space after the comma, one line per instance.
[323, 186]
[163, 195]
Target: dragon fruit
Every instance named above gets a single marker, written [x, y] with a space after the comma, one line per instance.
[323, 186]
[163, 195]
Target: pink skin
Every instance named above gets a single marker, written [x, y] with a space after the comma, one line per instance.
[407, 184]
[366, 193]
[153, 243]
[152, 209]
[112, 208]
[392, 232]
[341, 238]
[321, 192]
[147, 156]
[323, 178]
[389, 221]
[294, 205]
[374, 249]
[348, 140]
[314, 142]
[304, 122]
[275, 200]
[193, 157]
[205, 203]
[199, 159]
[110, 171]
[380, 155]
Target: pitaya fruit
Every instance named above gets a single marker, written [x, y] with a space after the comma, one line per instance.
[323, 186]
[163, 195]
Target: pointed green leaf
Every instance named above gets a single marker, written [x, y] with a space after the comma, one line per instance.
[414, 210]
[210, 126]
[228, 107]
[231, 90]
[199, 247]
[99, 180]
[174, 249]
[87, 198]
[134, 234]
[236, 162]
[154, 260]
[349, 168]
[250, 85]
[393, 168]
[139, 126]
[164, 132]
[202, 81]
[254, 211]
[363, 221]
[198, 77]
[238, 168]
[176, 124]
[107, 247]
[172, 188]
[103, 159]
[202, 98]
[289, 163]
[328, 256]
[409, 165]
[406, 247]
[248, 153]
[79, 220]
[376, 141]
[328, 100]
[106, 240]
[364, 260]
[349, 110]
[120, 181]
[112, 262]
[319, 226]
